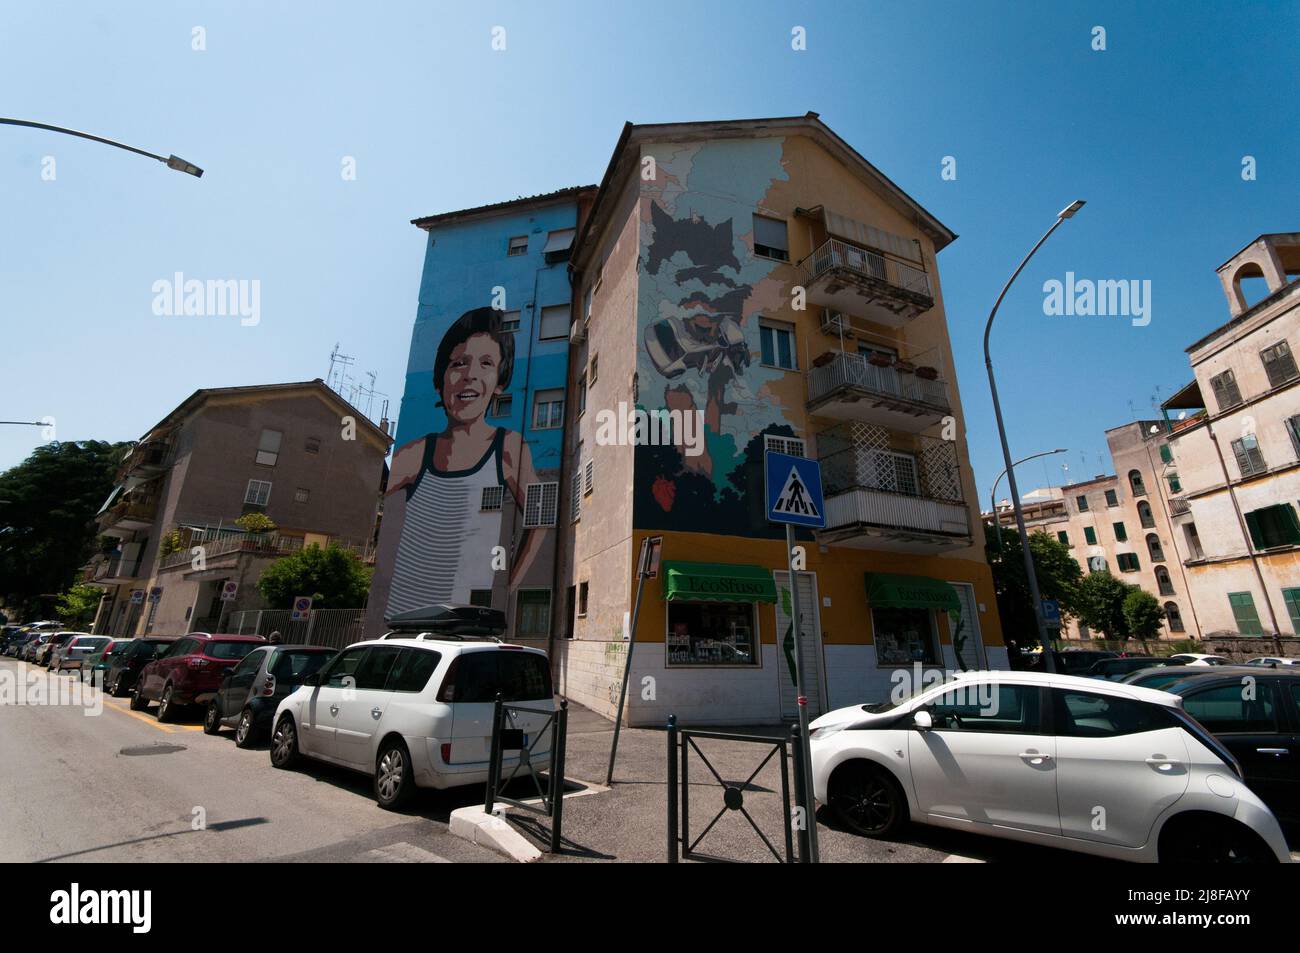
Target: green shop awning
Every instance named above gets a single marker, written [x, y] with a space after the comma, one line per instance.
[717, 582]
[886, 590]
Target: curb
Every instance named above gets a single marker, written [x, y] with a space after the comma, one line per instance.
[492, 831]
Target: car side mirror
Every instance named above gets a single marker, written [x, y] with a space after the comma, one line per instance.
[313, 680]
[922, 721]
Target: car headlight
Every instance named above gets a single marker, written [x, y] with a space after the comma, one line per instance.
[824, 732]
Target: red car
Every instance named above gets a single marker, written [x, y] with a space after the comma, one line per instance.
[190, 672]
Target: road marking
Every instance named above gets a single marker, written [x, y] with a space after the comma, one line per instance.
[402, 853]
[142, 717]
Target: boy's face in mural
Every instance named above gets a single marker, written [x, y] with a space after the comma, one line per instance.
[471, 380]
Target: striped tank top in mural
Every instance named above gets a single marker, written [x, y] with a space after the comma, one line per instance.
[445, 549]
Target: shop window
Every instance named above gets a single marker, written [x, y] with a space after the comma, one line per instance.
[532, 613]
[904, 636]
[1243, 611]
[711, 633]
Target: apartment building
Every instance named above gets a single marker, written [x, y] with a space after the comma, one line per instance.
[1235, 443]
[744, 286]
[298, 453]
[472, 504]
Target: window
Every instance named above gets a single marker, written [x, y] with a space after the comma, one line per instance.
[1085, 715]
[510, 321]
[1145, 516]
[301, 495]
[586, 305]
[1112, 498]
[1090, 535]
[268, 448]
[312, 445]
[1273, 526]
[481, 598]
[501, 406]
[376, 665]
[575, 496]
[532, 613]
[776, 340]
[1064, 537]
[904, 636]
[790, 446]
[1226, 709]
[518, 246]
[548, 409]
[582, 394]
[414, 669]
[582, 599]
[342, 670]
[559, 245]
[1243, 611]
[1163, 582]
[258, 493]
[540, 501]
[515, 676]
[1174, 617]
[770, 238]
[711, 633]
[554, 323]
[1166, 454]
[1278, 363]
[1193, 541]
[1292, 599]
[1226, 392]
[591, 369]
[1128, 562]
[588, 478]
[1081, 502]
[1001, 709]
[1135, 483]
[1121, 534]
[1249, 460]
[1175, 485]
[1154, 549]
[492, 498]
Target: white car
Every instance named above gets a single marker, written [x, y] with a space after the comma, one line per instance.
[1273, 661]
[1199, 658]
[415, 713]
[1077, 763]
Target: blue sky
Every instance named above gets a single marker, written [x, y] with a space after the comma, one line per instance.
[1151, 132]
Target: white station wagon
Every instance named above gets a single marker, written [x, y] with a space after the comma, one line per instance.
[1077, 763]
[414, 712]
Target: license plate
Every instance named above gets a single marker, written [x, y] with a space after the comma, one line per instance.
[512, 739]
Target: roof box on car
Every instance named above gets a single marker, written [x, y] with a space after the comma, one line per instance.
[450, 619]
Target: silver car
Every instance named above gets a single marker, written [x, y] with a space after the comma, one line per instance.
[69, 656]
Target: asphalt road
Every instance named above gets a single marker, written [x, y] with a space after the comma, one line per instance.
[119, 786]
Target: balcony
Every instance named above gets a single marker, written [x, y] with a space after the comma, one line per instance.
[117, 569]
[147, 458]
[859, 281]
[129, 516]
[890, 491]
[850, 387]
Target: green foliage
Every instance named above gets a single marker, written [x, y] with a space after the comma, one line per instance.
[1057, 571]
[1100, 603]
[77, 607]
[47, 508]
[255, 523]
[1143, 614]
[335, 578]
[173, 542]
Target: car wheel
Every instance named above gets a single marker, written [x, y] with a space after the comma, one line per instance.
[139, 702]
[115, 688]
[166, 707]
[284, 744]
[212, 719]
[394, 776]
[1214, 843]
[245, 732]
[868, 800]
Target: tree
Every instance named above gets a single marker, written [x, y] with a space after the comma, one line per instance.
[77, 606]
[255, 522]
[1143, 614]
[47, 508]
[334, 577]
[1100, 604]
[1058, 573]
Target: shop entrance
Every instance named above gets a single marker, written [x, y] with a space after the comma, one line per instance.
[814, 677]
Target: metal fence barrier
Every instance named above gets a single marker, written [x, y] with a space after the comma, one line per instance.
[509, 738]
[334, 628]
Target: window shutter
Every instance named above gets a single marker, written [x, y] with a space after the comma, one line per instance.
[1256, 532]
[575, 497]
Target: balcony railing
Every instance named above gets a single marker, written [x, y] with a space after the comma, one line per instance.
[139, 511]
[217, 543]
[836, 254]
[118, 567]
[148, 455]
[847, 373]
[1178, 506]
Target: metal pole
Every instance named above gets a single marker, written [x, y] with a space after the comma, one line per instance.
[494, 758]
[172, 162]
[559, 740]
[803, 790]
[993, 493]
[1049, 662]
[627, 672]
[672, 789]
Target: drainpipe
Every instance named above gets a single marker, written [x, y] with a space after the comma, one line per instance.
[1245, 534]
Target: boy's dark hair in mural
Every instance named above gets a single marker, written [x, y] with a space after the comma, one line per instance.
[487, 321]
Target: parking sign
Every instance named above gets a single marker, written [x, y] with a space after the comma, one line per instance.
[301, 609]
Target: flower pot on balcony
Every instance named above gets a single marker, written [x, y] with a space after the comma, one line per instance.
[879, 359]
[824, 359]
[904, 367]
[928, 373]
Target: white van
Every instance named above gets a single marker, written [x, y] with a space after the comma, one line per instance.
[415, 712]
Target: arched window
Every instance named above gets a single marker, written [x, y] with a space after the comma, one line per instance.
[1147, 518]
[1163, 581]
[1154, 548]
[1174, 616]
[1135, 483]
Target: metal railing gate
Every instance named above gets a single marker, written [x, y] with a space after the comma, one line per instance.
[509, 738]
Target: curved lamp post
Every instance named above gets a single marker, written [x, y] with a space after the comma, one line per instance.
[172, 162]
[1049, 663]
[993, 493]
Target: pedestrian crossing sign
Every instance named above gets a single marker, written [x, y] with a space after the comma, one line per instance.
[794, 490]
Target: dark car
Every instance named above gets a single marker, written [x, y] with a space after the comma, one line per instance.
[190, 672]
[7, 635]
[1115, 669]
[249, 695]
[1256, 714]
[94, 668]
[1168, 674]
[124, 669]
[1072, 661]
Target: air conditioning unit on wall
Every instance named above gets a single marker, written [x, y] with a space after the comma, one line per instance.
[577, 332]
[835, 323]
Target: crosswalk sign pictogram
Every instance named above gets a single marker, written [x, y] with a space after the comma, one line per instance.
[794, 490]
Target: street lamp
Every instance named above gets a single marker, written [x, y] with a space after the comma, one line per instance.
[1066, 213]
[993, 493]
[172, 162]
